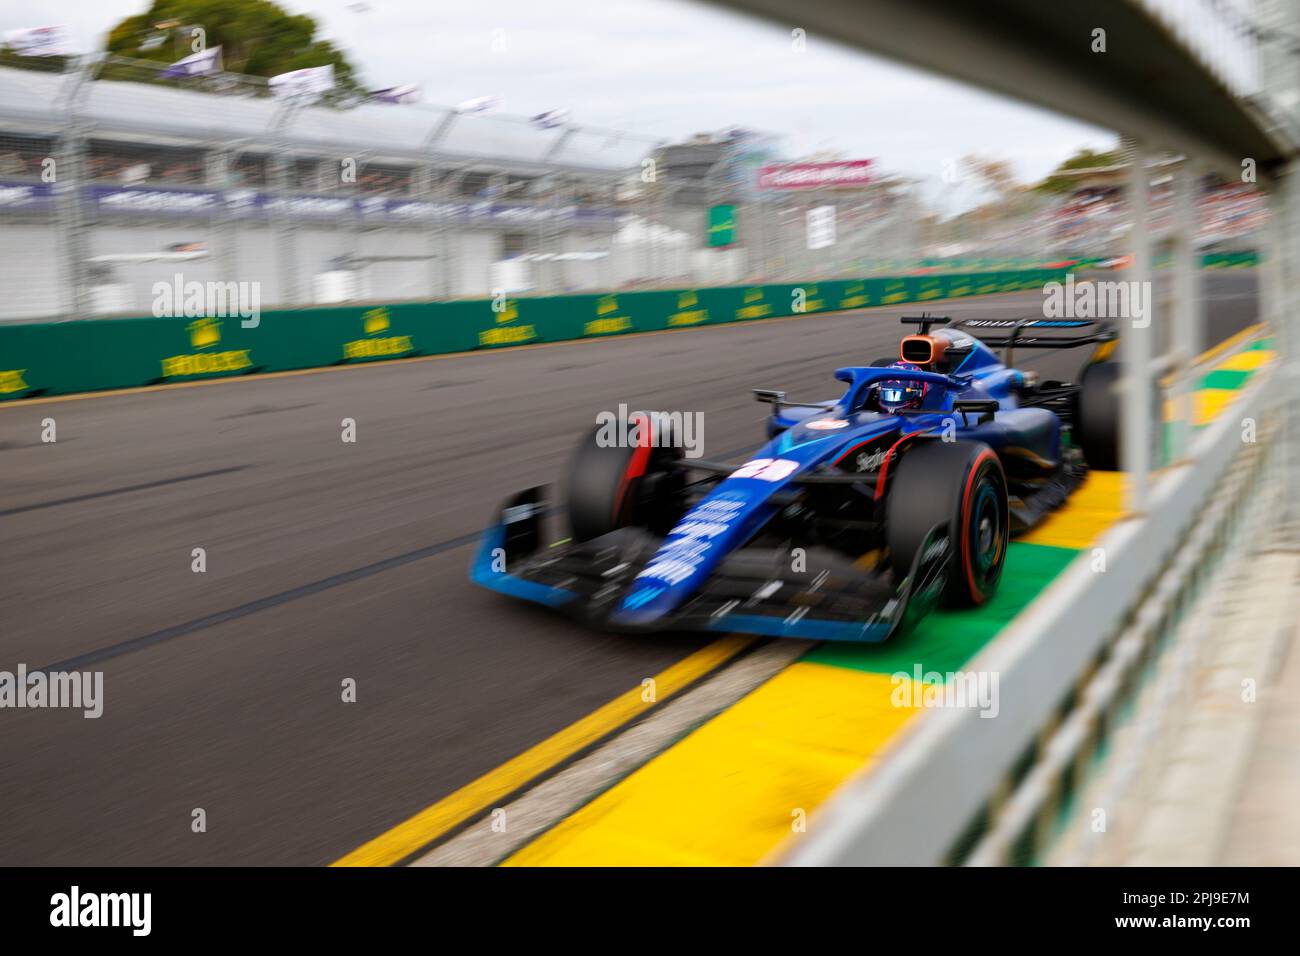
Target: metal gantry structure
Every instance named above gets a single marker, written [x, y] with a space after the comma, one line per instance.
[245, 141]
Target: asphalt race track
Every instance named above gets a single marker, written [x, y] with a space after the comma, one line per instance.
[328, 561]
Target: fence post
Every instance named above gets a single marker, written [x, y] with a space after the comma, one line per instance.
[225, 250]
[1135, 342]
[1185, 329]
[70, 179]
[1279, 309]
[284, 228]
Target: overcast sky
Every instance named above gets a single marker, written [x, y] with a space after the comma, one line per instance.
[664, 68]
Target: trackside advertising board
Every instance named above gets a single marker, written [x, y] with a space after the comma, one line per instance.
[58, 358]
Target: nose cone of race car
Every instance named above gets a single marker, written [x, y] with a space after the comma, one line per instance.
[700, 541]
[743, 503]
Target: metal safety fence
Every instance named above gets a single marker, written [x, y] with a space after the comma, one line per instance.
[1094, 672]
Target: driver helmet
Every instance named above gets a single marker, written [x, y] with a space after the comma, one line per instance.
[893, 395]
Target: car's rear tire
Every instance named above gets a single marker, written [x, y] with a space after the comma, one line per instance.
[620, 484]
[1096, 415]
[885, 362]
[960, 484]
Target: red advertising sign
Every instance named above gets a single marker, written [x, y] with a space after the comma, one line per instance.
[852, 172]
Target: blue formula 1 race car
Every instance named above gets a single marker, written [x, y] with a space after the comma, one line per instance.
[855, 518]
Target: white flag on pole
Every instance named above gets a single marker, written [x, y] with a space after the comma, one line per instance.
[480, 104]
[312, 81]
[38, 41]
[203, 63]
[551, 119]
[409, 93]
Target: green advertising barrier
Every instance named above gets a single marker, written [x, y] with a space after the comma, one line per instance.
[1247, 259]
[58, 358]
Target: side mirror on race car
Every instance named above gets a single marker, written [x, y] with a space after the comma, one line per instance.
[980, 407]
[769, 396]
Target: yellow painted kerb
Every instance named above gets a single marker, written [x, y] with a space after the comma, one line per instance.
[741, 784]
[1094, 506]
[433, 821]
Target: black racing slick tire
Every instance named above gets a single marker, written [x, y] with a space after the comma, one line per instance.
[960, 484]
[1096, 416]
[622, 475]
[885, 362]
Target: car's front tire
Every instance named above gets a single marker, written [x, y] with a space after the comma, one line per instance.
[960, 484]
[616, 484]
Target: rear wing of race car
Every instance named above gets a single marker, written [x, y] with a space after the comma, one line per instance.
[1102, 334]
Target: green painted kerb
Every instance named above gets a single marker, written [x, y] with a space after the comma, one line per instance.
[945, 640]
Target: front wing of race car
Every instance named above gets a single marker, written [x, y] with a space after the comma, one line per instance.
[822, 596]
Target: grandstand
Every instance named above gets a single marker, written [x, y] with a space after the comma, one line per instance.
[107, 176]
[1093, 219]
